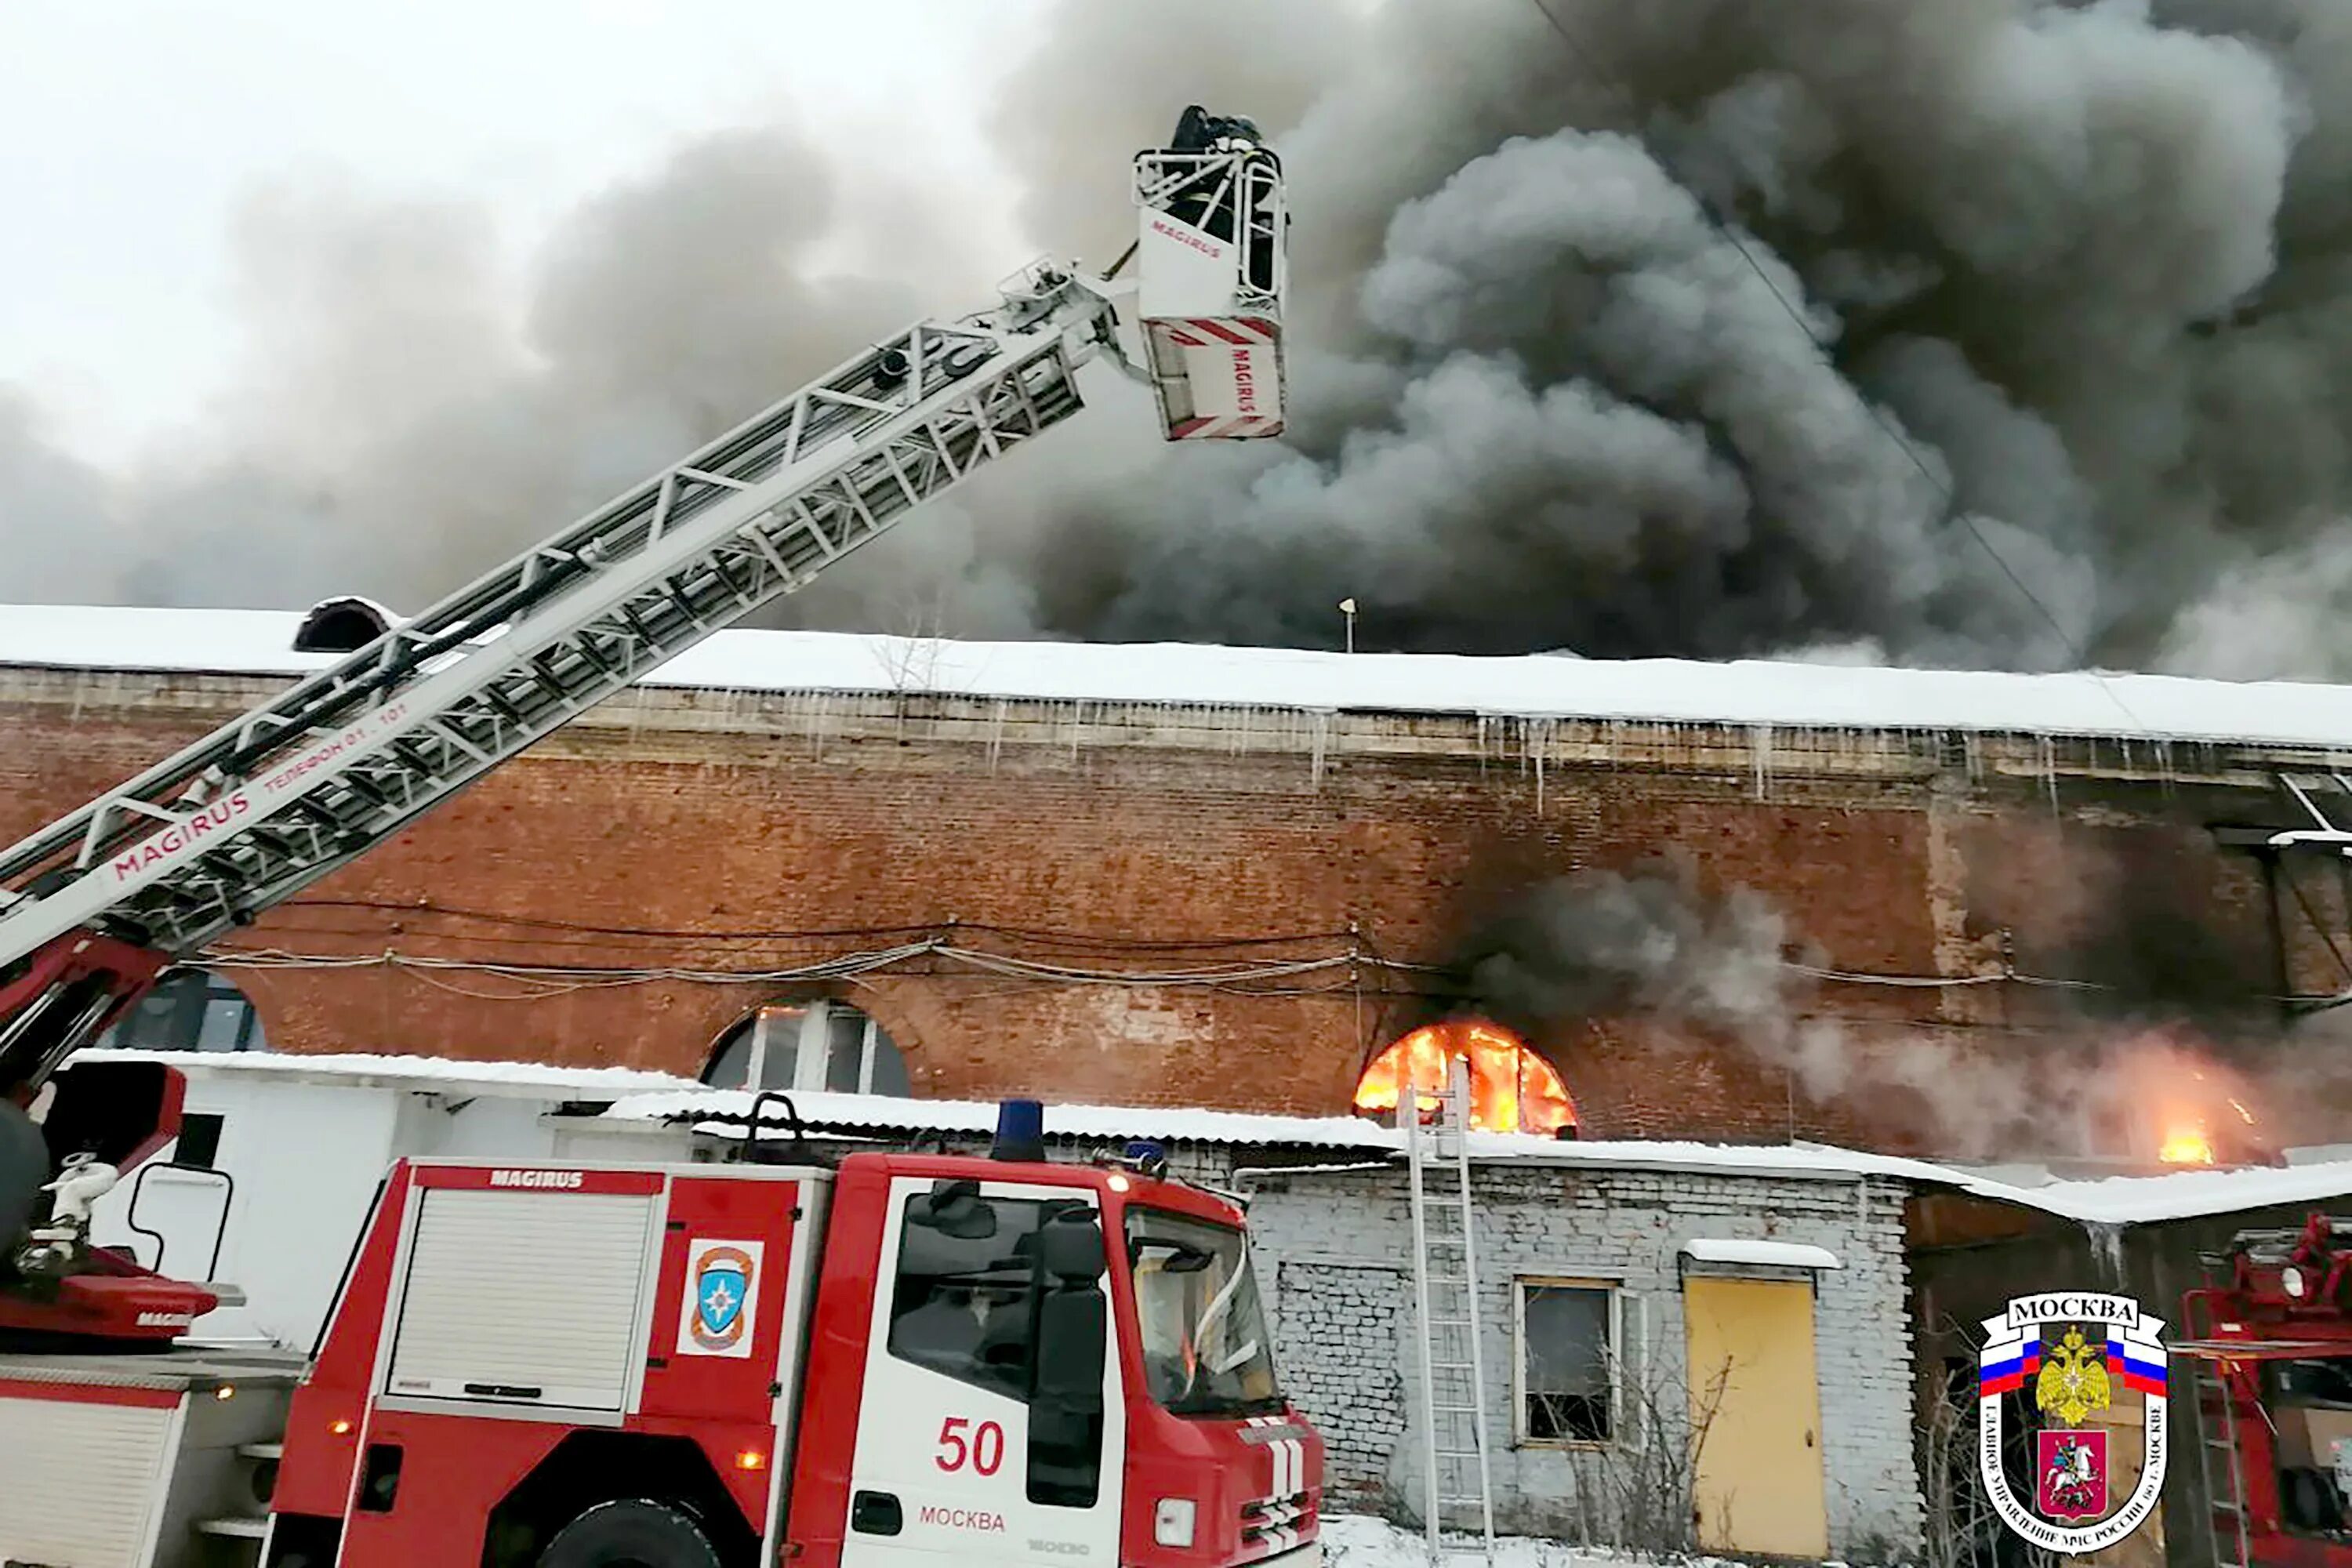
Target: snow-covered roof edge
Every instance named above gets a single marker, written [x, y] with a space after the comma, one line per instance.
[419, 1073]
[636, 1096]
[1773, 1254]
[1747, 692]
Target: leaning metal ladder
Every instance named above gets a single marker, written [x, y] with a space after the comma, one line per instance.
[1456, 1475]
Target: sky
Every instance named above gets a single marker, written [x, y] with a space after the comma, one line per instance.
[137, 128]
[2004, 333]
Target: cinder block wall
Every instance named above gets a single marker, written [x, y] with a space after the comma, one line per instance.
[1337, 1251]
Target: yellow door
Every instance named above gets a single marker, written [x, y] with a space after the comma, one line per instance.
[1752, 1384]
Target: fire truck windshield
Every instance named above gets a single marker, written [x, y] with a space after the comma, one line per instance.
[1206, 1351]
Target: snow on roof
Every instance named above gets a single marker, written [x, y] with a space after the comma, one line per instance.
[2123, 1200]
[2185, 1194]
[2134, 707]
[1775, 1254]
[726, 1112]
[421, 1074]
[640, 1097]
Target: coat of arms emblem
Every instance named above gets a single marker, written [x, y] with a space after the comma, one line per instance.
[2095, 1345]
[721, 1283]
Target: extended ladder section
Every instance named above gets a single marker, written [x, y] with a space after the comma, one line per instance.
[1214, 276]
[287, 794]
[1456, 1475]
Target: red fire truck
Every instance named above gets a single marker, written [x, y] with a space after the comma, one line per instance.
[2270, 1356]
[998, 1361]
[896, 1359]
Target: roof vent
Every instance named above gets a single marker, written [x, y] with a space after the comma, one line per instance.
[341, 625]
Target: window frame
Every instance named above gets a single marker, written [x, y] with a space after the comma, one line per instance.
[811, 1046]
[1613, 1353]
[1047, 1205]
[194, 993]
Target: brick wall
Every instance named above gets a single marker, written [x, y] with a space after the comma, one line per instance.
[718, 831]
[1338, 1248]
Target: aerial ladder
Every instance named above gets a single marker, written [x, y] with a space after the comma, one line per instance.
[96, 905]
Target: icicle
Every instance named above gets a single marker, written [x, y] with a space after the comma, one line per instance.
[2049, 772]
[996, 734]
[1320, 733]
[2108, 1250]
[1539, 737]
[1760, 753]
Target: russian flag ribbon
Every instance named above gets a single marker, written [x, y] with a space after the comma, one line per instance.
[2008, 1359]
[2135, 1359]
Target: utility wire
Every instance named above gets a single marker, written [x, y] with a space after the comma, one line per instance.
[1043, 935]
[560, 979]
[1724, 231]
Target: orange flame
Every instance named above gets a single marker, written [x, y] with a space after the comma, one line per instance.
[2186, 1144]
[1512, 1089]
[2201, 1111]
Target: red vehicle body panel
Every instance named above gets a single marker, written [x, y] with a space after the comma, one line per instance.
[2240, 1326]
[458, 1465]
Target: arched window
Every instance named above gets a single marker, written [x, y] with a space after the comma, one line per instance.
[191, 1010]
[807, 1045]
[1512, 1089]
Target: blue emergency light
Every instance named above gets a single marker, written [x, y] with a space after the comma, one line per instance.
[1020, 1130]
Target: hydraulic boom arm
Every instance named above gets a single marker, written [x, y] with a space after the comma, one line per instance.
[93, 905]
[271, 803]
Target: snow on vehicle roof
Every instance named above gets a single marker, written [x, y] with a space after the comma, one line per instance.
[1777, 1253]
[2135, 707]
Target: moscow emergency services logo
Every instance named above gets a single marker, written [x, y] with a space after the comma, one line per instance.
[718, 1316]
[2062, 1359]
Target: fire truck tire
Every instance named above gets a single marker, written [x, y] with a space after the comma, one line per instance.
[630, 1533]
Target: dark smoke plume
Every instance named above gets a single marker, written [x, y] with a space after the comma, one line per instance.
[2107, 1073]
[1709, 328]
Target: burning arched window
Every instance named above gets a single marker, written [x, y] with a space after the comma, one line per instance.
[1512, 1089]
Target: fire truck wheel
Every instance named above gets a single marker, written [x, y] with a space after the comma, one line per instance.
[630, 1533]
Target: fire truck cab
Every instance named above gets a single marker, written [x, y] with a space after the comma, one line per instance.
[896, 1360]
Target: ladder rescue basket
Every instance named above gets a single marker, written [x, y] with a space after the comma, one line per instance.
[1214, 274]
